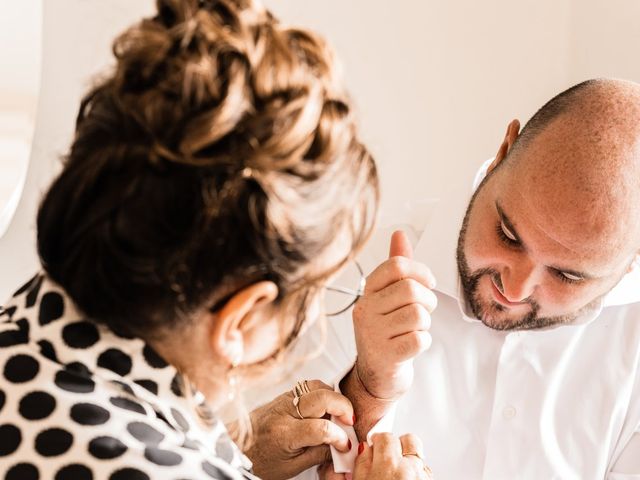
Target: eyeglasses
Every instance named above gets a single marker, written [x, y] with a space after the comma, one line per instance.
[342, 293]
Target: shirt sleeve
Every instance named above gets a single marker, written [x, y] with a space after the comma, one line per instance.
[343, 462]
[627, 466]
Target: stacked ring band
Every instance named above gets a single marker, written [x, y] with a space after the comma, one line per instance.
[299, 390]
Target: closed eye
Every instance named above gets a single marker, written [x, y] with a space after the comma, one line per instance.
[507, 235]
[568, 277]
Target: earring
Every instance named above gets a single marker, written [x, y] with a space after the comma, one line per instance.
[235, 354]
[232, 375]
[232, 382]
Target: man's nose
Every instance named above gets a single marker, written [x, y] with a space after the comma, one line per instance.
[519, 281]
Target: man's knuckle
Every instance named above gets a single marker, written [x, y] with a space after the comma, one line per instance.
[416, 311]
[433, 300]
[397, 266]
[403, 348]
[424, 318]
[409, 345]
[410, 289]
[426, 325]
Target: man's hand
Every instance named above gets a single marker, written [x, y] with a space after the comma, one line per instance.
[285, 445]
[392, 320]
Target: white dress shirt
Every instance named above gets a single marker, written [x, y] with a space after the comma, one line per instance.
[558, 403]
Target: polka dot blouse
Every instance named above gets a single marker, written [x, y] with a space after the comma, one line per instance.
[78, 402]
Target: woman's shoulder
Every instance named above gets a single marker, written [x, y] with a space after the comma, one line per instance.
[103, 434]
[77, 402]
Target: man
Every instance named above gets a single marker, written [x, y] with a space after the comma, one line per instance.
[552, 388]
[533, 371]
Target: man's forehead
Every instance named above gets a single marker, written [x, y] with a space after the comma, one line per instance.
[563, 230]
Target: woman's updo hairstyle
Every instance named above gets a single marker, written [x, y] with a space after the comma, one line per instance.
[220, 152]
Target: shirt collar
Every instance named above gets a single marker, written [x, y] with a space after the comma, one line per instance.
[438, 243]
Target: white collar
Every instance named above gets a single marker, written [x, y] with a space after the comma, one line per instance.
[437, 248]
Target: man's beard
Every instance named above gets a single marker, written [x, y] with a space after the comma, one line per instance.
[487, 312]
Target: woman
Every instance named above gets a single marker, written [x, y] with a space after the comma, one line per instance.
[215, 184]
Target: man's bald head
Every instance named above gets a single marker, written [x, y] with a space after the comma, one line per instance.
[555, 224]
[601, 101]
[579, 159]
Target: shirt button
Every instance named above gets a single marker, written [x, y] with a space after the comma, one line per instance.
[509, 412]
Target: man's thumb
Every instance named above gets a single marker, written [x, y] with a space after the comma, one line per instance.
[400, 245]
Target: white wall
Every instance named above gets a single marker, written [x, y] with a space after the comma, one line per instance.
[435, 81]
[77, 36]
[20, 37]
[20, 59]
[605, 39]
[438, 81]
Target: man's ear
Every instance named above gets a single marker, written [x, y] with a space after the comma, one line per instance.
[509, 139]
[227, 334]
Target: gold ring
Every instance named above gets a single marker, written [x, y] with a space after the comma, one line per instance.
[300, 389]
[426, 469]
[296, 402]
[413, 454]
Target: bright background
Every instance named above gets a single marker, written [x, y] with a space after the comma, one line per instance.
[435, 83]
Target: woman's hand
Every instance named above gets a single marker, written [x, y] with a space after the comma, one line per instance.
[391, 457]
[286, 445]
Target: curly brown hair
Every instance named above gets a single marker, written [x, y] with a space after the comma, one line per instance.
[220, 152]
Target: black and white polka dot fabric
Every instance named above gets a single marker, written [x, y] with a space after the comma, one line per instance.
[78, 402]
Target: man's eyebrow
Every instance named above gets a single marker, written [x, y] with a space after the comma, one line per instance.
[509, 225]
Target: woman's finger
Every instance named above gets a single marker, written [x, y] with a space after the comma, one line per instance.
[387, 451]
[412, 449]
[318, 403]
[362, 463]
[313, 432]
[318, 385]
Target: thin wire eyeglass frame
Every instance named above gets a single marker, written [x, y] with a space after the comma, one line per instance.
[349, 291]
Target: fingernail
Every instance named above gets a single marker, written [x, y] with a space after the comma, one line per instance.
[354, 419]
[360, 448]
[349, 444]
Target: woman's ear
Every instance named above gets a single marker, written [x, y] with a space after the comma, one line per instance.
[228, 329]
[513, 130]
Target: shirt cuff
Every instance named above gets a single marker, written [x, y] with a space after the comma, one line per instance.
[343, 462]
